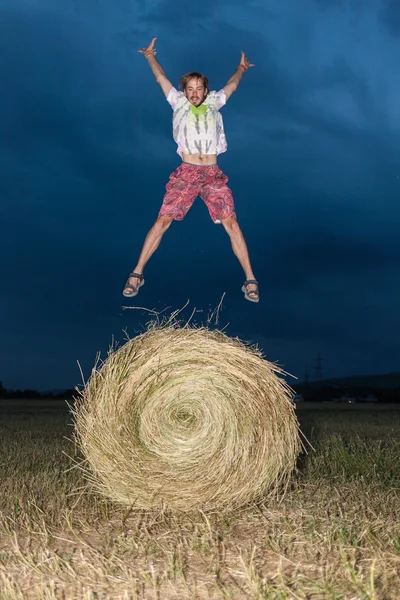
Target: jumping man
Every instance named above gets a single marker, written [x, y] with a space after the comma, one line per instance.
[199, 133]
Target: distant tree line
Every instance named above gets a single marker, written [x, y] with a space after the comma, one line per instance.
[314, 393]
[34, 394]
[310, 393]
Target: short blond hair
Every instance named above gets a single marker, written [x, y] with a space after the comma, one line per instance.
[194, 75]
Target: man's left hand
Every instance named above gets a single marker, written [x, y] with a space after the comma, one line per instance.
[245, 61]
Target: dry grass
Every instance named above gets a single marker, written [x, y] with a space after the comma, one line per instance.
[334, 536]
[187, 418]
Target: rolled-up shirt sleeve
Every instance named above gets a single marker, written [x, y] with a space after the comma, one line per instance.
[218, 99]
[173, 97]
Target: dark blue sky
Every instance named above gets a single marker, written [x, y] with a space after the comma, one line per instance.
[313, 161]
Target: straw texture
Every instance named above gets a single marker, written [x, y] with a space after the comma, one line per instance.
[188, 418]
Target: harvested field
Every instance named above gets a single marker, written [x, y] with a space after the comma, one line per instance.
[335, 535]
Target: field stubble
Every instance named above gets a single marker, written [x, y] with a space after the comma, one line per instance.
[335, 535]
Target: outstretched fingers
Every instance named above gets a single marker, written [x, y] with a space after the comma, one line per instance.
[245, 61]
[149, 47]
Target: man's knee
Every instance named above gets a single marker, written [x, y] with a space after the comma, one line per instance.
[231, 226]
[162, 223]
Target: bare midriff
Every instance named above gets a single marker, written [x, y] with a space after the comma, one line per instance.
[199, 159]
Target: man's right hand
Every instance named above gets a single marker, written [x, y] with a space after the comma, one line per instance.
[157, 69]
[150, 47]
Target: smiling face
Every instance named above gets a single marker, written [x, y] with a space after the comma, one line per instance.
[195, 91]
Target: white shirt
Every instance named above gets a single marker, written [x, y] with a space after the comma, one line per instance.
[198, 133]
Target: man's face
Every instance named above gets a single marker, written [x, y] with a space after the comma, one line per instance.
[195, 91]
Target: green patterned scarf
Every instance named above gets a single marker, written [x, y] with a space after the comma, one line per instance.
[198, 110]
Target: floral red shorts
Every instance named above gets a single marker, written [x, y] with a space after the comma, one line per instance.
[189, 181]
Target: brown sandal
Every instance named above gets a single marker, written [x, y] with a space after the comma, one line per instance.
[252, 295]
[132, 290]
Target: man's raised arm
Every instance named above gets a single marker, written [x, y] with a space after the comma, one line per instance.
[155, 66]
[234, 81]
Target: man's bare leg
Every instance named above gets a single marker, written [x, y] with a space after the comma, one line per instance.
[239, 248]
[150, 245]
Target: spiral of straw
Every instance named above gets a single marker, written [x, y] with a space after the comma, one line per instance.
[188, 418]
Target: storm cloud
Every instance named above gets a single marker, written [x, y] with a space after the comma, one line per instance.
[86, 150]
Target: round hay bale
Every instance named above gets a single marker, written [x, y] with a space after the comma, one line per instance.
[188, 418]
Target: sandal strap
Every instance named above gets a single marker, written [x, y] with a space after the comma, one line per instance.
[251, 281]
[138, 275]
[130, 287]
